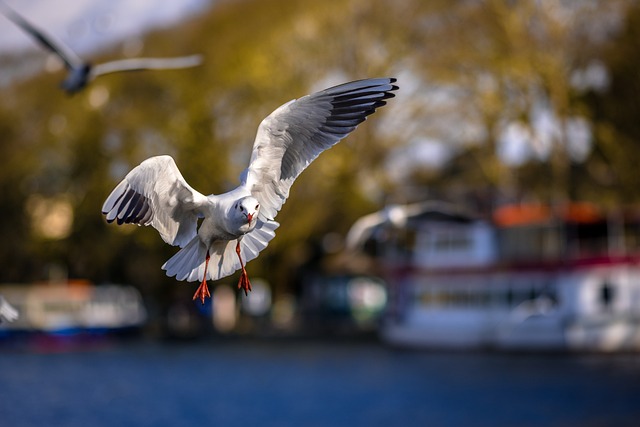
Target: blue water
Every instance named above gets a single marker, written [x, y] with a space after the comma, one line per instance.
[312, 384]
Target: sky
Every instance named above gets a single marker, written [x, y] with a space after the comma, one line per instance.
[85, 25]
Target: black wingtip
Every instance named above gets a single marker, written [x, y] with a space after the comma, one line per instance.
[393, 87]
[388, 94]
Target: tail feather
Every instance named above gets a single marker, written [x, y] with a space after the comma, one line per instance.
[194, 261]
[224, 261]
[188, 263]
[198, 259]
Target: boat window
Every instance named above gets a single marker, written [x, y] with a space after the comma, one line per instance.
[607, 294]
[589, 239]
[448, 242]
[531, 243]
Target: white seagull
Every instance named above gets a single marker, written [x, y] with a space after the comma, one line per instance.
[80, 72]
[237, 225]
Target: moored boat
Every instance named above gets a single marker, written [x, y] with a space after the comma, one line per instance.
[527, 277]
[73, 308]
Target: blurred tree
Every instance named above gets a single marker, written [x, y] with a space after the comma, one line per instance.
[614, 106]
[477, 78]
[504, 85]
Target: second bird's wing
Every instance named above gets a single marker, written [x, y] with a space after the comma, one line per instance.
[137, 64]
[70, 59]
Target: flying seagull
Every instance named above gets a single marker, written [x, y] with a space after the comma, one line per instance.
[7, 311]
[238, 224]
[80, 72]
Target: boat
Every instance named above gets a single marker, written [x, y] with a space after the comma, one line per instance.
[525, 277]
[72, 307]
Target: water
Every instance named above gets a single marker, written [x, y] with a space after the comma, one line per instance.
[312, 384]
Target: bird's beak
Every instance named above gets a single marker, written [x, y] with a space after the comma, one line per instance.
[249, 217]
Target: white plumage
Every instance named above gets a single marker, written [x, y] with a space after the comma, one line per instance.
[242, 220]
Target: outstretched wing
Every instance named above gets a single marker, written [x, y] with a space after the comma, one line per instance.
[291, 137]
[155, 193]
[137, 64]
[69, 58]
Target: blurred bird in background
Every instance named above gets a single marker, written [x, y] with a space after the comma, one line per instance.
[81, 72]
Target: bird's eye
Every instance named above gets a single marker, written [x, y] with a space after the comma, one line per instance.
[257, 206]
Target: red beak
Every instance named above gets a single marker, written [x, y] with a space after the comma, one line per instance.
[249, 217]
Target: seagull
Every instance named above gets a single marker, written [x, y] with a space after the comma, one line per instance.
[237, 225]
[80, 72]
[7, 311]
[397, 216]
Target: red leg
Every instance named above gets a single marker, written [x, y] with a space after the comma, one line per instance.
[203, 290]
[243, 283]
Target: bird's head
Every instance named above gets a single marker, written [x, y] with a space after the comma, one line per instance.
[247, 209]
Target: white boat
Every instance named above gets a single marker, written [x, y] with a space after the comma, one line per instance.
[528, 277]
[70, 308]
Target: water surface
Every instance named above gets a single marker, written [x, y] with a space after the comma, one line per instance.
[303, 383]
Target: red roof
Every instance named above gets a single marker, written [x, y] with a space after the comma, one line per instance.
[534, 213]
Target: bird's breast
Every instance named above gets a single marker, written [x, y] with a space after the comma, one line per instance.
[211, 230]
